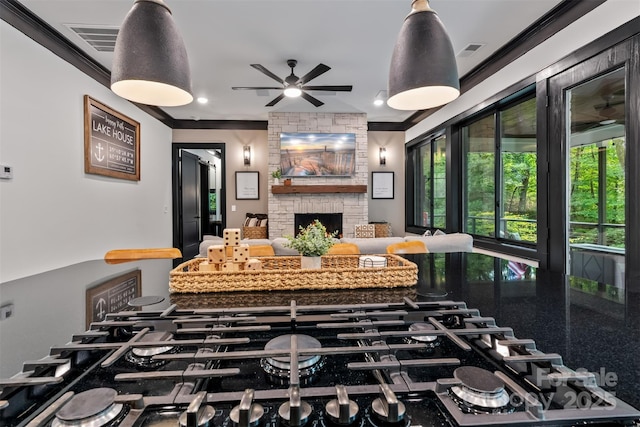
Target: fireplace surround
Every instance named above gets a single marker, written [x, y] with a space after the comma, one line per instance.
[331, 221]
[353, 206]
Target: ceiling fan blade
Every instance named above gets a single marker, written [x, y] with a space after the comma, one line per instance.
[255, 88]
[267, 72]
[311, 99]
[276, 100]
[329, 88]
[320, 69]
[608, 104]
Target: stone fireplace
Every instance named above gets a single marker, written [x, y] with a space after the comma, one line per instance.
[354, 207]
[331, 221]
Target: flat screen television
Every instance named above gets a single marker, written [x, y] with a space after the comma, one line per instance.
[317, 154]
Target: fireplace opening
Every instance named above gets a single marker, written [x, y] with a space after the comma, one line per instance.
[331, 221]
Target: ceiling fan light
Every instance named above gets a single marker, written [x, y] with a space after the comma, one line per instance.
[150, 62]
[607, 122]
[292, 92]
[423, 72]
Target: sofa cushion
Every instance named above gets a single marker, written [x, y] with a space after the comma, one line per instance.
[454, 242]
[280, 249]
[377, 245]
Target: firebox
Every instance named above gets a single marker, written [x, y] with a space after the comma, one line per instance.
[331, 221]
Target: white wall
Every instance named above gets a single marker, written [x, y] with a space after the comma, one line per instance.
[608, 16]
[389, 210]
[52, 214]
[234, 141]
[379, 210]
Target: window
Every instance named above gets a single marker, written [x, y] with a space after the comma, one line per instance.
[500, 182]
[427, 165]
[596, 174]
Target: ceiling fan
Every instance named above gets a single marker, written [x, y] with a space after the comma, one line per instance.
[293, 86]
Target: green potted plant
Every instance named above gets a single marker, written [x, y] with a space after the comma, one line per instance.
[312, 242]
[276, 175]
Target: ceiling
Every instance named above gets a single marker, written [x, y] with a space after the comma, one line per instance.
[353, 37]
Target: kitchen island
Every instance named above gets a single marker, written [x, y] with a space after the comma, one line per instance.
[589, 326]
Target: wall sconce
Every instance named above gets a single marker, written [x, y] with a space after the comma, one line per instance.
[423, 72]
[150, 63]
[383, 156]
[246, 154]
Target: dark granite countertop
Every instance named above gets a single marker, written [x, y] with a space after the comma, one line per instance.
[593, 326]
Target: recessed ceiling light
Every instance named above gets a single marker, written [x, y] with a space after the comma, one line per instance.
[381, 96]
[202, 100]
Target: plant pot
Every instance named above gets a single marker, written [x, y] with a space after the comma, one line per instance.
[287, 181]
[310, 262]
[276, 181]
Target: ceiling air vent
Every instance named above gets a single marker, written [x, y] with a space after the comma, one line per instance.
[101, 38]
[469, 50]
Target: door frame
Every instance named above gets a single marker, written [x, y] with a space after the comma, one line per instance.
[557, 152]
[176, 195]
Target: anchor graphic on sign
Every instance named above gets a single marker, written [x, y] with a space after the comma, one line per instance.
[100, 307]
[99, 157]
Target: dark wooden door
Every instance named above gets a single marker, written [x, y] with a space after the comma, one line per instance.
[190, 212]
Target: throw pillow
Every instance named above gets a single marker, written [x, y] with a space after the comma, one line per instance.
[427, 233]
[439, 233]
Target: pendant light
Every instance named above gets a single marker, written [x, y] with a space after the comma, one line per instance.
[423, 72]
[150, 63]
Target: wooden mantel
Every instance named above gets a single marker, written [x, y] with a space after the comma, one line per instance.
[317, 189]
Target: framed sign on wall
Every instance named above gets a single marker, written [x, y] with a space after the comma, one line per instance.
[112, 296]
[111, 142]
[382, 185]
[247, 185]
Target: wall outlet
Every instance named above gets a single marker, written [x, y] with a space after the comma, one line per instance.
[6, 311]
[6, 172]
[233, 208]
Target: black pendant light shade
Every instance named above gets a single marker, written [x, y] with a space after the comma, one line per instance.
[150, 63]
[423, 72]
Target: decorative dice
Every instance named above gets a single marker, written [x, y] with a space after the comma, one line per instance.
[216, 254]
[207, 266]
[253, 264]
[241, 253]
[231, 236]
[231, 266]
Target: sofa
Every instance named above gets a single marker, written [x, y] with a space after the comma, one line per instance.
[454, 242]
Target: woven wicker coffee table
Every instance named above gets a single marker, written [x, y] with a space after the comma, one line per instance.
[284, 273]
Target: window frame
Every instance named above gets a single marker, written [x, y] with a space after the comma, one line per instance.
[413, 175]
[493, 242]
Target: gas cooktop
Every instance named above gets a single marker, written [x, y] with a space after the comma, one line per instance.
[427, 363]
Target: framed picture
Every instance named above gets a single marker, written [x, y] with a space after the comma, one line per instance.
[308, 155]
[247, 185]
[112, 296]
[382, 185]
[111, 142]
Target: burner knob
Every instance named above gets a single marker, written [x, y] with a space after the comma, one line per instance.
[247, 413]
[295, 412]
[197, 414]
[387, 407]
[342, 410]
